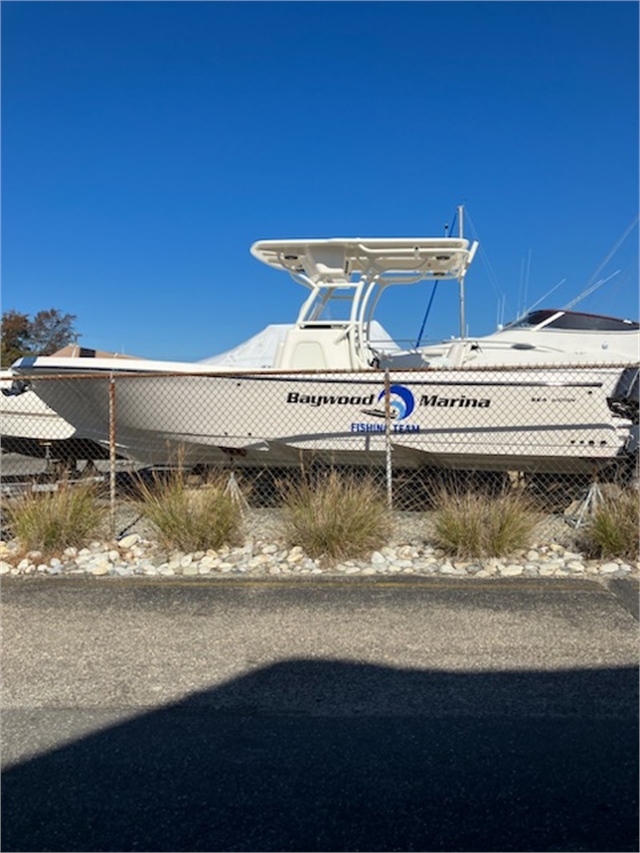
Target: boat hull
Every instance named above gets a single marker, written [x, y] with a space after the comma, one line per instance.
[547, 420]
[29, 427]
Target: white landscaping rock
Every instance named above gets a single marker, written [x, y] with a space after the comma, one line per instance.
[511, 571]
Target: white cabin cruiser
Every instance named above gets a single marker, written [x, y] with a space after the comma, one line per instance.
[524, 398]
[550, 336]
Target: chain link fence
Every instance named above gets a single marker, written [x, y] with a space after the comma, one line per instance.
[555, 432]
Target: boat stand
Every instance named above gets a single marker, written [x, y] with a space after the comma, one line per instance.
[235, 492]
[588, 506]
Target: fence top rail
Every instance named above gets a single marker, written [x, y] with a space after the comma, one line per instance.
[97, 373]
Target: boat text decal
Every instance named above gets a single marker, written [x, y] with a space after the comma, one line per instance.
[402, 404]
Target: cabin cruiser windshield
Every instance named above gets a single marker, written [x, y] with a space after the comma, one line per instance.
[572, 320]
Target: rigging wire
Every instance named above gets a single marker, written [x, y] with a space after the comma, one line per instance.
[435, 287]
[590, 285]
[493, 278]
[426, 313]
[535, 304]
[589, 290]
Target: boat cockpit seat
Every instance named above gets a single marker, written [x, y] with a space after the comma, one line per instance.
[314, 347]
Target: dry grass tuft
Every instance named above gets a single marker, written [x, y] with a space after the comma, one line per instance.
[192, 519]
[52, 521]
[471, 524]
[613, 529]
[336, 517]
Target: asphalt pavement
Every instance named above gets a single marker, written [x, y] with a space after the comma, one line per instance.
[335, 715]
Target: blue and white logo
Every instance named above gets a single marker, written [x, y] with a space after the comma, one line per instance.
[401, 401]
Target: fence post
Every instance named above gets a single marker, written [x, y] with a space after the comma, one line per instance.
[387, 420]
[112, 453]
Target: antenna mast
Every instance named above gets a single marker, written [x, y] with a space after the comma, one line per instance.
[461, 279]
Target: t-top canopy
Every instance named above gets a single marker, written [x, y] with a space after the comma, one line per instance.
[337, 259]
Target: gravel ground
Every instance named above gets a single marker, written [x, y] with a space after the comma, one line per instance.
[264, 551]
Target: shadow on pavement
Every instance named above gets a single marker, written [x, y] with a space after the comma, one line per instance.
[336, 756]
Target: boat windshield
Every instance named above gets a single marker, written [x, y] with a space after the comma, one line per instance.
[573, 321]
[331, 304]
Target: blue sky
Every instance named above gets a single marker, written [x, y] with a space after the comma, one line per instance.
[146, 145]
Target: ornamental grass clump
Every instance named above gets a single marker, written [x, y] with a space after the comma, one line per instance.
[471, 525]
[68, 516]
[336, 517]
[192, 519]
[612, 530]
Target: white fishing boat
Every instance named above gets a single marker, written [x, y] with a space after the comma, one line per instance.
[556, 391]
[30, 427]
[27, 425]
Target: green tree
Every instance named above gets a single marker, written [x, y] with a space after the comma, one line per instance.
[47, 332]
[15, 330]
